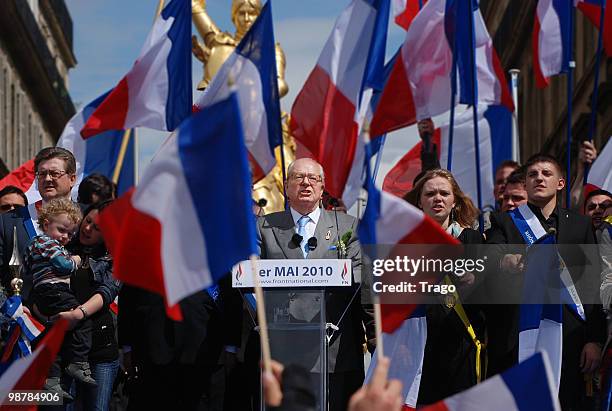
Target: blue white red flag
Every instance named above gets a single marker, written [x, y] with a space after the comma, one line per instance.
[389, 220]
[404, 11]
[421, 80]
[592, 9]
[600, 173]
[527, 386]
[551, 40]
[252, 67]
[156, 93]
[23, 329]
[169, 236]
[326, 115]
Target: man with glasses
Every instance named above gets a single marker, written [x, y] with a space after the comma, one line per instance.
[595, 206]
[291, 234]
[55, 176]
[11, 197]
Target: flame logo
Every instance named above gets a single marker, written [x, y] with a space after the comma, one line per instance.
[239, 272]
[344, 272]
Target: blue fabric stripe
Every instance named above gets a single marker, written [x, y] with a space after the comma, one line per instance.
[214, 160]
[520, 222]
[179, 102]
[500, 124]
[528, 384]
[367, 226]
[27, 221]
[258, 46]
[461, 34]
[563, 8]
[374, 75]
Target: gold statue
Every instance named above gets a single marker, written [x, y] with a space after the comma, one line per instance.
[218, 46]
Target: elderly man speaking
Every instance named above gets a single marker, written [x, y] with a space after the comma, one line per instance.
[277, 240]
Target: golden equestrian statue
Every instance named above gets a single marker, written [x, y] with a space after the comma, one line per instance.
[217, 47]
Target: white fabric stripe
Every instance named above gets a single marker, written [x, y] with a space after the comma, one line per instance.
[248, 86]
[345, 53]
[547, 338]
[600, 173]
[148, 80]
[549, 39]
[532, 221]
[164, 195]
[397, 219]
[28, 323]
[405, 347]
[487, 396]
[14, 373]
[489, 87]
[464, 156]
[34, 217]
[398, 7]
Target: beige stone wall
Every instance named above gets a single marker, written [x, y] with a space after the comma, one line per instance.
[22, 131]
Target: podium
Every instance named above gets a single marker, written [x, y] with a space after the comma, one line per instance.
[294, 294]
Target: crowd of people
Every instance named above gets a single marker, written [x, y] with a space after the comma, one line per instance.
[123, 352]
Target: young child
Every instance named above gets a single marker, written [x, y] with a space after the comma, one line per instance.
[51, 266]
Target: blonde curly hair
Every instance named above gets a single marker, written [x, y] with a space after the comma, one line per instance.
[57, 207]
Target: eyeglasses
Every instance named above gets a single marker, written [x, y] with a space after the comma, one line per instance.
[8, 207]
[312, 178]
[54, 174]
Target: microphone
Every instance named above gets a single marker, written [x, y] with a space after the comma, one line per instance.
[551, 231]
[333, 202]
[296, 239]
[312, 243]
[262, 202]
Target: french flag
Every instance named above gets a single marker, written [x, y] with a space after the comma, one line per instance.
[527, 386]
[421, 80]
[169, 236]
[325, 117]
[592, 9]
[98, 154]
[495, 133]
[156, 93]
[600, 173]
[23, 329]
[390, 220]
[252, 68]
[551, 40]
[30, 373]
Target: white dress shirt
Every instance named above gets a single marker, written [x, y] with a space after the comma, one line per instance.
[311, 225]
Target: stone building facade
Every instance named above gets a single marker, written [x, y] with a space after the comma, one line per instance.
[543, 112]
[35, 56]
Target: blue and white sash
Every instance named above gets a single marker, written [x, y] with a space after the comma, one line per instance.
[531, 230]
[30, 219]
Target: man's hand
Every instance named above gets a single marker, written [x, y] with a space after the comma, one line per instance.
[512, 263]
[380, 394]
[590, 357]
[426, 126]
[273, 393]
[72, 317]
[587, 153]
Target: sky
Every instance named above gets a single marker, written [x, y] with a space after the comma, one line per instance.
[108, 37]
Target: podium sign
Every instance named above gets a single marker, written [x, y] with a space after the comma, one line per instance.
[294, 273]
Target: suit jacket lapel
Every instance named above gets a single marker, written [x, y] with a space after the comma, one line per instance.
[324, 226]
[283, 233]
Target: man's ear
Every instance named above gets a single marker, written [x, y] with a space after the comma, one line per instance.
[561, 184]
[73, 179]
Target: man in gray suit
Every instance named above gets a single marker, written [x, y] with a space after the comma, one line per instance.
[277, 239]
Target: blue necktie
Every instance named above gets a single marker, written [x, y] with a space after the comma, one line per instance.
[302, 231]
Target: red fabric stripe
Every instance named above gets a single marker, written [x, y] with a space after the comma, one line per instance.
[398, 180]
[405, 18]
[134, 240]
[396, 105]
[111, 113]
[506, 97]
[593, 12]
[541, 81]
[322, 118]
[439, 406]
[35, 375]
[22, 177]
[35, 323]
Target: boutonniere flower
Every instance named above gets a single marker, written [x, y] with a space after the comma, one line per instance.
[342, 242]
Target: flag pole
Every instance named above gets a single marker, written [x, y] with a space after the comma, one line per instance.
[516, 148]
[380, 353]
[570, 92]
[475, 116]
[379, 156]
[160, 7]
[125, 140]
[261, 318]
[135, 154]
[595, 95]
[451, 126]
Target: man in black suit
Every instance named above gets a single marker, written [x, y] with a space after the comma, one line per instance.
[55, 169]
[276, 233]
[581, 339]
